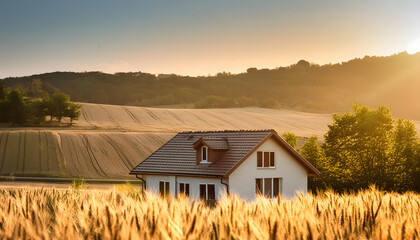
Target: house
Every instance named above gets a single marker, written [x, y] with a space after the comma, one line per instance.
[208, 165]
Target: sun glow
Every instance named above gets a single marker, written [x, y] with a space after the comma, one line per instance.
[414, 46]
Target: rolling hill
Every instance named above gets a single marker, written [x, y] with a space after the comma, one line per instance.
[393, 81]
[109, 140]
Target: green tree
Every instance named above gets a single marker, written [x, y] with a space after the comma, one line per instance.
[73, 112]
[2, 90]
[39, 108]
[17, 107]
[290, 138]
[314, 154]
[58, 105]
[311, 151]
[357, 146]
[405, 161]
[4, 111]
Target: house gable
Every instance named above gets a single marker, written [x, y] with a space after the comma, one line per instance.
[292, 174]
[311, 170]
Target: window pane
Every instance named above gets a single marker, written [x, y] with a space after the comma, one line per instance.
[212, 192]
[204, 152]
[181, 188]
[271, 159]
[161, 188]
[167, 188]
[203, 192]
[259, 159]
[266, 159]
[187, 189]
[258, 186]
[267, 187]
[276, 187]
[280, 186]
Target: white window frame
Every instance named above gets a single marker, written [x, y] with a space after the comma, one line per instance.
[207, 154]
[164, 187]
[179, 187]
[272, 186]
[269, 160]
[207, 190]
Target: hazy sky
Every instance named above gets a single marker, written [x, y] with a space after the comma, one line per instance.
[198, 37]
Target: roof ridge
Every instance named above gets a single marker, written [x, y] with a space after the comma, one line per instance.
[227, 131]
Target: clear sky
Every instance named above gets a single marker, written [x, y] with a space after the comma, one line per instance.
[198, 37]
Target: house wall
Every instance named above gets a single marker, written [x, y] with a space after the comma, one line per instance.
[152, 185]
[294, 175]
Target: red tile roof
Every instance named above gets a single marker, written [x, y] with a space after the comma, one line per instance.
[178, 156]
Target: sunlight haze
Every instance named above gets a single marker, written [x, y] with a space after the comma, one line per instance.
[196, 37]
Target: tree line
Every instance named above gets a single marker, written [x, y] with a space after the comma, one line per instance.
[17, 108]
[303, 86]
[362, 147]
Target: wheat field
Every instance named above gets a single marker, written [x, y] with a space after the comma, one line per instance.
[124, 213]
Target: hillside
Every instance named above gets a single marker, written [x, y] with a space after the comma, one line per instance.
[109, 140]
[99, 116]
[393, 81]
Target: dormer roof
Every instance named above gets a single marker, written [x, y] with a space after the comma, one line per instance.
[214, 143]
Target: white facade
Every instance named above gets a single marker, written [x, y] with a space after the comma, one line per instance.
[292, 173]
[242, 181]
[152, 185]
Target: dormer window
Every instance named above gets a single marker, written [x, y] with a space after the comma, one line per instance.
[204, 153]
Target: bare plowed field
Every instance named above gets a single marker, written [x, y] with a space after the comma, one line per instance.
[100, 116]
[74, 153]
[108, 140]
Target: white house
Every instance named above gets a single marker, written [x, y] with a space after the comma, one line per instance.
[208, 165]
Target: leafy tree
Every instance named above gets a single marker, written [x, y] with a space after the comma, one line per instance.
[366, 146]
[405, 154]
[314, 154]
[4, 111]
[290, 138]
[4, 108]
[2, 90]
[73, 112]
[311, 151]
[17, 107]
[39, 108]
[58, 105]
[252, 70]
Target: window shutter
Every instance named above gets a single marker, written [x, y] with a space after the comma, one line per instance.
[271, 159]
[187, 189]
[259, 159]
